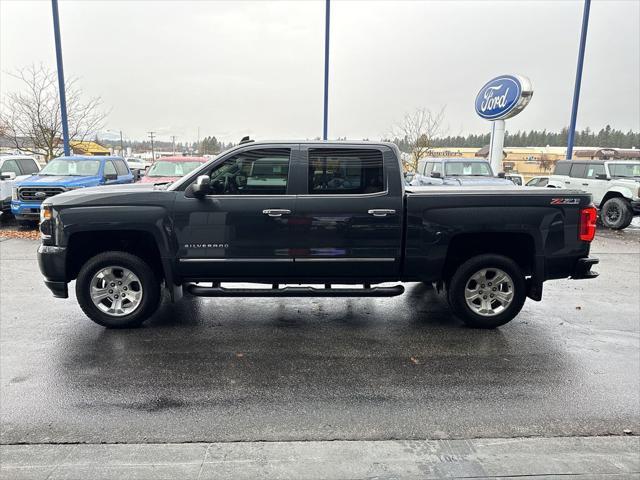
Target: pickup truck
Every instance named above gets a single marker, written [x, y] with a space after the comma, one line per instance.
[63, 174]
[279, 214]
[614, 185]
[457, 172]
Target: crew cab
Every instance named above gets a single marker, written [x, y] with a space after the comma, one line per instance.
[311, 213]
[457, 172]
[614, 185]
[61, 175]
[13, 168]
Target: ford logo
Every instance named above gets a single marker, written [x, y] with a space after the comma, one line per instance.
[503, 97]
[40, 195]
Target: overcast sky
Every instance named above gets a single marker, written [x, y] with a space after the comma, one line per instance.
[237, 68]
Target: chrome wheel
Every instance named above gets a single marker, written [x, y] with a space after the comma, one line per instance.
[489, 292]
[116, 291]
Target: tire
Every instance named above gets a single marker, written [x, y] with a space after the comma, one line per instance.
[499, 311]
[616, 213]
[143, 289]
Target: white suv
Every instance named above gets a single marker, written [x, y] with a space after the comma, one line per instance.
[13, 168]
[614, 184]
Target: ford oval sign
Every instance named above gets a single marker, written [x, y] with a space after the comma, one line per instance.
[503, 97]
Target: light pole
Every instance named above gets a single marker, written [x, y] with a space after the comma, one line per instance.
[576, 90]
[63, 97]
[153, 152]
[326, 67]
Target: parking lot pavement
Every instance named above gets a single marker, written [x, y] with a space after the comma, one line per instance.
[217, 370]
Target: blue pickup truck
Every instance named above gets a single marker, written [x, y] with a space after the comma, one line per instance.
[61, 175]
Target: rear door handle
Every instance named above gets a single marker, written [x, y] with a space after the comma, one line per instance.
[567, 183]
[381, 212]
[276, 212]
[585, 184]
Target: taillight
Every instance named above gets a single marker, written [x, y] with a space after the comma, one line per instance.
[588, 218]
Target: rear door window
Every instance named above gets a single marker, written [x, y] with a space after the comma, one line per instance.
[578, 170]
[28, 166]
[345, 171]
[562, 168]
[121, 168]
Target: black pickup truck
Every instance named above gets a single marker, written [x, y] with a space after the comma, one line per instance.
[334, 215]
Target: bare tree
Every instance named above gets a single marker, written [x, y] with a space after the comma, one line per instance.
[545, 163]
[419, 129]
[31, 116]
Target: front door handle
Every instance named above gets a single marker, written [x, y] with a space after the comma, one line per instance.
[381, 212]
[568, 183]
[276, 212]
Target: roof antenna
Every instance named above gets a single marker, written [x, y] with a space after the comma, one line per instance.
[245, 140]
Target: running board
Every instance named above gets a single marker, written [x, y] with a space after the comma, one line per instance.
[275, 291]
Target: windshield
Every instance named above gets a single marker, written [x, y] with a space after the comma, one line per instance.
[467, 168]
[625, 169]
[68, 167]
[172, 169]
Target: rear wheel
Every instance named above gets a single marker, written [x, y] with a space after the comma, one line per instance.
[487, 291]
[117, 290]
[616, 213]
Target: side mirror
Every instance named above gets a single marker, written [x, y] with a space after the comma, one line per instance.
[110, 176]
[8, 176]
[501, 175]
[601, 176]
[436, 174]
[202, 186]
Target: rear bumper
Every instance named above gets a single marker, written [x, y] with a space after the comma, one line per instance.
[53, 265]
[582, 269]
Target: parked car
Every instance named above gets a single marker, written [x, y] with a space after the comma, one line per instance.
[516, 178]
[170, 169]
[13, 168]
[456, 171]
[311, 213]
[138, 166]
[540, 181]
[63, 174]
[614, 184]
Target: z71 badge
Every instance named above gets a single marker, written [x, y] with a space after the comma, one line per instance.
[565, 201]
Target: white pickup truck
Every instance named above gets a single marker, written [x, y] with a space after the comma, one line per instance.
[614, 185]
[13, 168]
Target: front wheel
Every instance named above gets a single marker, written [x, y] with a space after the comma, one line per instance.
[117, 290]
[616, 213]
[487, 291]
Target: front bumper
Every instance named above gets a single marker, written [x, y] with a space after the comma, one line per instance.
[53, 265]
[25, 210]
[582, 269]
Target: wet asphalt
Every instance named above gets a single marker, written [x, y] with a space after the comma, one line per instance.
[211, 370]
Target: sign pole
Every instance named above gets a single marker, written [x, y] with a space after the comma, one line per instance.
[326, 68]
[63, 97]
[496, 147]
[576, 90]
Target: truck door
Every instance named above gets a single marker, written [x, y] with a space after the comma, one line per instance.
[348, 220]
[242, 228]
[595, 186]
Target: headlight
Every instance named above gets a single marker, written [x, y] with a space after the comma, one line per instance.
[45, 212]
[46, 222]
[14, 193]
